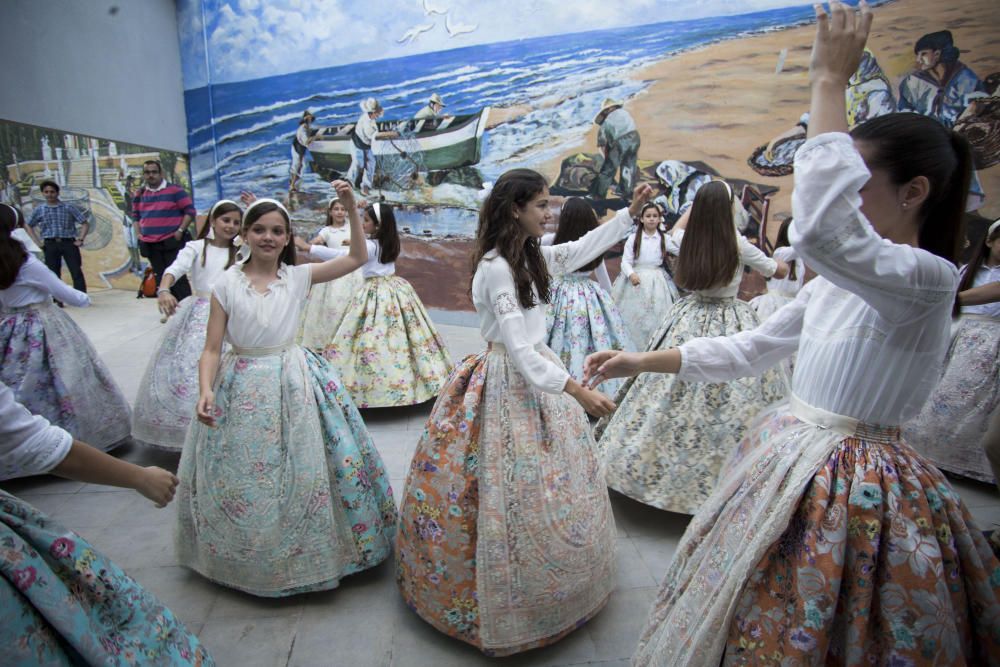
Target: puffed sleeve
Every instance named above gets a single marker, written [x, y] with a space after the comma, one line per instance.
[300, 280]
[746, 353]
[834, 238]
[36, 274]
[29, 444]
[188, 255]
[755, 258]
[568, 257]
[222, 289]
[535, 368]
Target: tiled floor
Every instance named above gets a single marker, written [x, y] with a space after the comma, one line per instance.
[364, 621]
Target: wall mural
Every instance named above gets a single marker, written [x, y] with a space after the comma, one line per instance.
[423, 103]
[96, 175]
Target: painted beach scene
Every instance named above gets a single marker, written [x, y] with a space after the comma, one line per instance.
[424, 104]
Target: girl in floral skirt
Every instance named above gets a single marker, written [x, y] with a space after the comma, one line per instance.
[387, 351]
[164, 405]
[829, 540]
[45, 357]
[282, 488]
[506, 539]
[582, 318]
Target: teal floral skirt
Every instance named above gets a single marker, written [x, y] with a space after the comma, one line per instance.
[64, 603]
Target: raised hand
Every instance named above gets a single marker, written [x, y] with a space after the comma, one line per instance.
[247, 197]
[345, 192]
[642, 194]
[839, 43]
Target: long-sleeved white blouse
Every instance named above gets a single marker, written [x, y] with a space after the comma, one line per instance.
[871, 331]
[369, 269]
[600, 272]
[29, 444]
[788, 286]
[188, 263]
[35, 283]
[750, 255]
[650, 253]
[521, 330]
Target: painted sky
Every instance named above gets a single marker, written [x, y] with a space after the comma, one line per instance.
[256, 38]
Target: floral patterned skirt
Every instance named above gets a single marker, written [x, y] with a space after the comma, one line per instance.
[64, 603]
[387, 351]
[644, 306]
[164, 406]
[286, 493]
[55, 372]
[824, 548]
[325, 310]
[951, 428]
[506, 538]
[583, 319]
[668, 439]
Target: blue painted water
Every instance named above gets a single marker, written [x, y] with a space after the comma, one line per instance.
[564, 78]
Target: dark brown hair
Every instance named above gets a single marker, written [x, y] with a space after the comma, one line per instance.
[709, 255]
[637, 242]
[576, 218]
[49, 184]
[329, 207]
[783, 242]
[255, 212]
[385, 232]
[498, 228]
[218, 210]
[908, 145]
[12, 252]
[979, 256]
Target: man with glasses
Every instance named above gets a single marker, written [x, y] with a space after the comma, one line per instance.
[164, 213]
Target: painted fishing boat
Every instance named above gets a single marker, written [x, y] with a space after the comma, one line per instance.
[434, 144]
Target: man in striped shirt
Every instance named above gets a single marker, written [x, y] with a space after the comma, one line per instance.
[163, 212]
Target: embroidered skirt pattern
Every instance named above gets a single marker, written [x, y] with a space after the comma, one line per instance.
[644, 306]
[668, 439]
[387, 351]
[286, 493]
[583, 319]
[325, 310]
[506, 538]
[55, 372]
[65, 603]
[821, 548]
[951, 428]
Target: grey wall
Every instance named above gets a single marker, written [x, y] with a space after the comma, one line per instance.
[73, 65]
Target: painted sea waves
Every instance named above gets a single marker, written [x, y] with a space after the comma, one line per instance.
[559, 81]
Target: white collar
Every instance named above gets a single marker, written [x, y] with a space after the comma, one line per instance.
[162, 185]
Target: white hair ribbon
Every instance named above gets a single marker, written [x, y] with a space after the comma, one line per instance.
[243, 254]
[211, 211]
[995, 226]
[377, 207]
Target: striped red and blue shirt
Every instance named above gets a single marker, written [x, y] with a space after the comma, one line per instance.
[160, 212]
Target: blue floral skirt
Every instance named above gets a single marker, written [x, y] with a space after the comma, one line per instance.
[55, 372]
[63, 603]
[286, 493]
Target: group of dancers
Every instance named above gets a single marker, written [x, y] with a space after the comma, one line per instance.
[819, 533]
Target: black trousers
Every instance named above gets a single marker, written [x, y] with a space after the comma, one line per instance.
[58, 250]
[162, 254]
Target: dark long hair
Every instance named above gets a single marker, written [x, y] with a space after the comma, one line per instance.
[254, 213]
[979, 256]
[576, 219]
[385, 232]
[907, 145]
[783, 242]
[637, 242]
[221, 209]
[329, 216]
[709, 255]
[498, 228]
[12, 252]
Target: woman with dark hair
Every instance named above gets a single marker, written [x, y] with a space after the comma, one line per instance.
[164, 404]
[506, 539]
[582, 318]
[829, 540]
[45, 357]
[282, 489]
[669, 438]
[387, 351]
[959, 426]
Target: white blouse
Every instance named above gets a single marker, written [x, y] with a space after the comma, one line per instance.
[787, 286]
[263, 320]
[334, 237]
[188, 263]
[502, 319]
[601, 272]
[750, 255]
[369, 269]
[29, 444]
[35, 284]
[985, 275]
[650, 253]
[871, 331]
